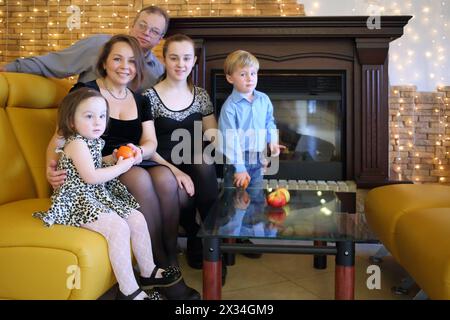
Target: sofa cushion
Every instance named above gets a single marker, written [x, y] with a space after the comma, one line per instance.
[16, 181]
[3, 91]
[38, 258]
[423, 244]
[33, 129]
[35, 92]
[385, 205]
[31, 106]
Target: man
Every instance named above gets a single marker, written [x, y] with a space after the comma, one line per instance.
[148, 28]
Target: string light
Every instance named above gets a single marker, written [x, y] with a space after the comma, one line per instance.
[428, 29]
[440, 140]
[82, 24]
[5, 34]
[128, 15]
[398, 159]
[412, 136]
[114, 15]
[56, 35]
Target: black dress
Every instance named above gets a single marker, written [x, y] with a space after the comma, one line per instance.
[120, 132]
[167, 121]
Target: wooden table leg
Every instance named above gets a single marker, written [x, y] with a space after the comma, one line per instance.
[212, 269]
[345, 271]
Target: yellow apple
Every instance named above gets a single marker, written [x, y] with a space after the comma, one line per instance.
[286, 193]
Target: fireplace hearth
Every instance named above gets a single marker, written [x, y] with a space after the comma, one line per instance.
[318, 50]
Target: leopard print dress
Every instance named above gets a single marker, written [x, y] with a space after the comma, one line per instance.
[76, 202]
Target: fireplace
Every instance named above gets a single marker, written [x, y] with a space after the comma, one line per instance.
[309, 113]
[338, 73]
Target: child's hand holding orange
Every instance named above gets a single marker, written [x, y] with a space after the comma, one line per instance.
[125, 152]
[125, 164]
[241, 180]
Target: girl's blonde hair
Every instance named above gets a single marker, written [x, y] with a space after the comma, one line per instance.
[68, 107]
[178, 38]
[239, 59]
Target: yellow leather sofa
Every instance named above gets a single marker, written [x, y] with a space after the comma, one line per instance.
[413, 223]
[36, 262]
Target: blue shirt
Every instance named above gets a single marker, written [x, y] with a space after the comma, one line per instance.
[245, 126]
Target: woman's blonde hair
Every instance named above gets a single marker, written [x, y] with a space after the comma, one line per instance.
[239, 59]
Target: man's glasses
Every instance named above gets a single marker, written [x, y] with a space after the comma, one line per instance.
[154, 32]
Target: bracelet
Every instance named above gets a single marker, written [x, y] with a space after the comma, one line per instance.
[142, 150]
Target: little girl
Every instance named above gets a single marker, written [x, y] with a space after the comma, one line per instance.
[91, 197]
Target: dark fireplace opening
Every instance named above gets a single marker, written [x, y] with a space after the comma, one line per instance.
[309, 111]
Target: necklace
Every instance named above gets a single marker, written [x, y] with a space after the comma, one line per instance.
[112, 95]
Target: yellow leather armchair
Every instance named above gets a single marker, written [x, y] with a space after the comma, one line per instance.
[413, 222]
[36, 262]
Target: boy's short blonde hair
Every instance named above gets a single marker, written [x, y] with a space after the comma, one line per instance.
[239, 59]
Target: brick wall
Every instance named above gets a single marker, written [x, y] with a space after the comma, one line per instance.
[419, 143]
[35, 27]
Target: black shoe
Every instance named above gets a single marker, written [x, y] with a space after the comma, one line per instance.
[249, 255]
[153, 295]
[170, 276]
[194, 253]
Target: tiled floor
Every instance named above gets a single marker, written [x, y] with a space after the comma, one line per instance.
[292, 277]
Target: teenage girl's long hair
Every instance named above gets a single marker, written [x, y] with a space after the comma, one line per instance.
[177, 38]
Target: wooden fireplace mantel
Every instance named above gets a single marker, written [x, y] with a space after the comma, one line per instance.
[328, 27]
[342, 43]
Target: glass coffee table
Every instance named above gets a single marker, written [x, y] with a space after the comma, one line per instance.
[311, 215]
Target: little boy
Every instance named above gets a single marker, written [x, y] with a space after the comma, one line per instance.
[246, 123]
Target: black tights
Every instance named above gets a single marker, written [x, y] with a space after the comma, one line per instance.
[155, 189]
[206, 192]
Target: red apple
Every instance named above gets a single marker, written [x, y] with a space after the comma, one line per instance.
[276, 199]
[277, 215]
[286, 193]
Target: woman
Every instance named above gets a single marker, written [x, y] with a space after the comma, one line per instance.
[120, 66]
[178, 107]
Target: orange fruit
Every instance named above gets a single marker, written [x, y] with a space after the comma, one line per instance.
[125, 152]
[245, 185]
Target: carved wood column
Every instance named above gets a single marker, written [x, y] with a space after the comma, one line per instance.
[372, 110]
